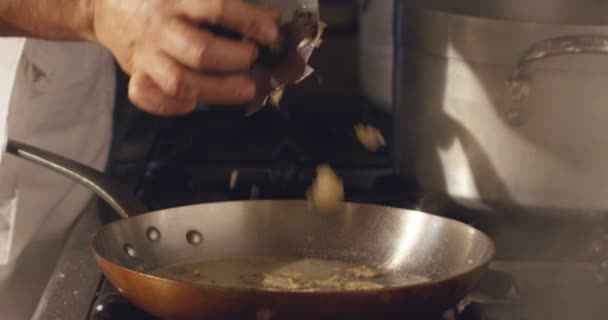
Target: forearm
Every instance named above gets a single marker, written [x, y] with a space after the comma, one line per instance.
[47, 19]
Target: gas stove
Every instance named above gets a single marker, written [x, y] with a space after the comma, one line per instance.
[546, 268]
[219, 155]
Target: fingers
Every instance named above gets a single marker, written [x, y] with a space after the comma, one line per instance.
[170, 89]
[175, 63]
[200, 50]
[144, 93]
[179, 82]
[166, 74]
[256, 23]
[223, 90]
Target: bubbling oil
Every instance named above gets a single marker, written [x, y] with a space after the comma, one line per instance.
[285, 274]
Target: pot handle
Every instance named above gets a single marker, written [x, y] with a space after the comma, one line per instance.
[118, 197]
[519, 83]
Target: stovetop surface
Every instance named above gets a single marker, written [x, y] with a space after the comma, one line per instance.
[272, 154]
[219, 155]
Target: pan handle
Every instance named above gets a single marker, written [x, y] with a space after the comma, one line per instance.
[118, 197]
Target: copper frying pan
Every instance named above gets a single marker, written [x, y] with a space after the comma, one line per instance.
[451, 256]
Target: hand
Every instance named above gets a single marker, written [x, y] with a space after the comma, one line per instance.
[172, 62]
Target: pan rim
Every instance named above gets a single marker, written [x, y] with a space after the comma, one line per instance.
[473, 268]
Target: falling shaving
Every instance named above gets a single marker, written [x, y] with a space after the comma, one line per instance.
[370, 137]
[327, 191]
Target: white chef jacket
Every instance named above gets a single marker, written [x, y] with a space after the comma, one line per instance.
[58, 96]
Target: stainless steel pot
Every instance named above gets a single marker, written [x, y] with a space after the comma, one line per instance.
[502, 104]
[376, 50]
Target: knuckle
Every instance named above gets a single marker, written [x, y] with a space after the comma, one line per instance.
[134, 91]
[217, 9]
[199, 52]
[139, 57]
[139, 97]
[186, 86]
[251, 25]
[129, 63]
[133, 65]
[136, 97]
[253, 53]
[133, 62]
[175, 83]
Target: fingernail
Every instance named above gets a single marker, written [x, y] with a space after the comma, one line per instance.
[247, 91]
[270, 32]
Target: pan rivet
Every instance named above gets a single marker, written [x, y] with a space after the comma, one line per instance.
[194, 237]
[153, 234]
[130, 251]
